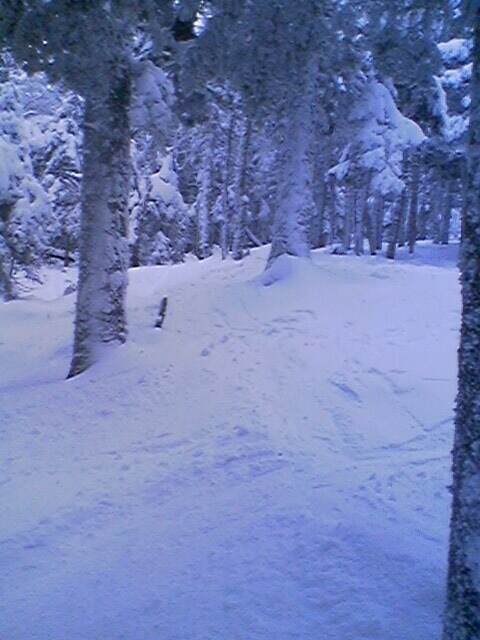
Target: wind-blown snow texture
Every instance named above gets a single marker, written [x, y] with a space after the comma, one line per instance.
[272, 463]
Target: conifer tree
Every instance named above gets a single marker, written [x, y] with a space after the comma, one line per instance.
[90, 45]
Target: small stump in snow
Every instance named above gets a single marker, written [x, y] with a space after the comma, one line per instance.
[162, 312]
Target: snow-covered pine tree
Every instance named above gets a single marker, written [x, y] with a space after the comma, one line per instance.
[90, 45]
[160, 218]
[25, 212]
[272, 60]
[371, 164]
[57, 164]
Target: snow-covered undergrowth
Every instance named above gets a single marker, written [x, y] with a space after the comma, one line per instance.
[272, 464]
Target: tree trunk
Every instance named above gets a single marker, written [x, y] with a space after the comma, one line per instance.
[379, 207]
[290, 222]
[242, 202]
[320, 188]
[422, 221]
[203, 206]
[413, 208]
[361, 213]
[436, 191]
[462, 610]
[399, 215]
[369, 229]
[333, 225]
[349, 213]
[226, 206]
[446, 211]
[103, 252]
[7, 286]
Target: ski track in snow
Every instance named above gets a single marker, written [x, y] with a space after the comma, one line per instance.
[272, 463]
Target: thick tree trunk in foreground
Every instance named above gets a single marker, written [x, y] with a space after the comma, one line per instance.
[100, 312]
[462, 611]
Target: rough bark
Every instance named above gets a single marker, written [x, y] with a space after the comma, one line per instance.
[103, 252]
[462, 610]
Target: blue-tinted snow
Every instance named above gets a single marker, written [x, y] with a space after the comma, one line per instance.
[272, 463]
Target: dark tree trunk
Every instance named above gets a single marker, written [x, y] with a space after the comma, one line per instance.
[436, 191]
[462, 611]
[399, 215]
[413, 205]
[379, 207]
[370, 230]
[333, 220]
[7, 286]
[226, 206]
[103, 252]
[349, 213]
[241, 215]
[446, 211]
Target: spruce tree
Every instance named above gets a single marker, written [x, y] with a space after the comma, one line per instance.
[90, 45]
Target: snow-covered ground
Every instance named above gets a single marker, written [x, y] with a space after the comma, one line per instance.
[272, 464]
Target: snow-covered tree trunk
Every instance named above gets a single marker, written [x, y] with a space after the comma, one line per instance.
[294, 197]
[240, 216]
[226, 207]
[462, 611]
[203, 205]
[361, 204]
[423, 220]
[100, 313]
[321, 163]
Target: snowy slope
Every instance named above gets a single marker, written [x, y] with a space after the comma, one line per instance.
[272, 464]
